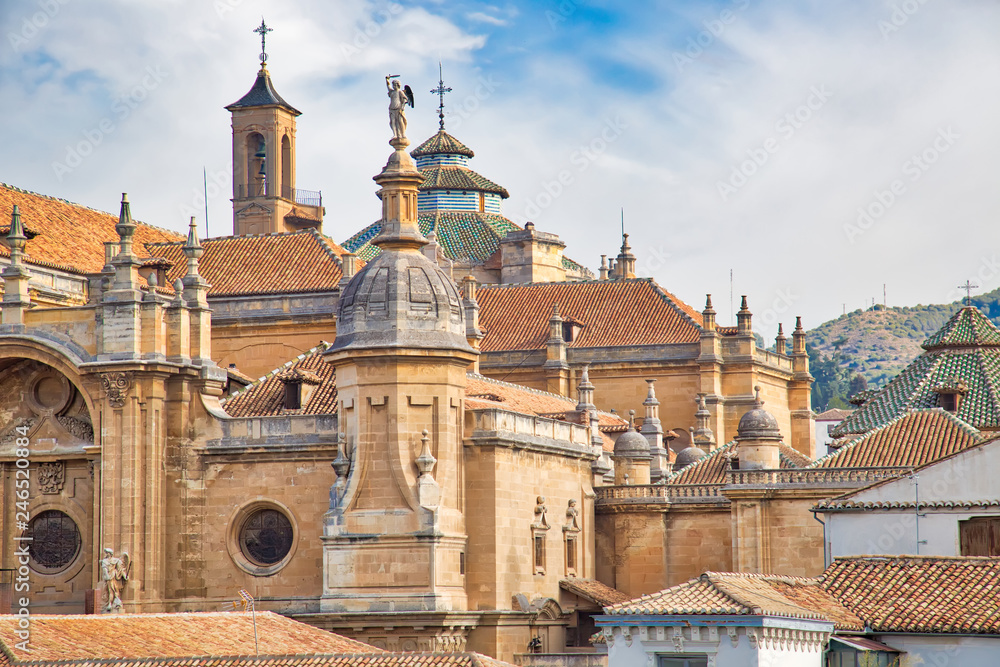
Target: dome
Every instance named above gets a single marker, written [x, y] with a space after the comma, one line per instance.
[758, 423]
[632, 444]
[401, 299]
[688, 456]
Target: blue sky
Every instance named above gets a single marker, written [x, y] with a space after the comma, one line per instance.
[818, 150]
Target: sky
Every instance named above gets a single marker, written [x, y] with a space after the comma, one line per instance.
[812, 155]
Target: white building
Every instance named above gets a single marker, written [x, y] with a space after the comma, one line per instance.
[950, 507]
[871, 610]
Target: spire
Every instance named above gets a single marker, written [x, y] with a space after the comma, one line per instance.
[440, 91]
[585, 391]
[625, 266]
[16, 299]
[743, 316]
[798, 338]
[702, 436]
[400, 181]
[780, 342]
[708, 315]
[16, 238]
[125, 227]
[192, 248]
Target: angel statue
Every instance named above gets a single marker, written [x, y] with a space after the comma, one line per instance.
[114, 573]
[399, 97]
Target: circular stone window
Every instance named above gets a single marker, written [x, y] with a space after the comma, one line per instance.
[266, 537]
[55, 541]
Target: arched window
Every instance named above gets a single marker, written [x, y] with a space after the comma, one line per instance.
[287, 189]
[256, 174]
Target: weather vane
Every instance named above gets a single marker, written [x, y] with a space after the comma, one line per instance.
[440, 91]
[262, 30]
[968, 287]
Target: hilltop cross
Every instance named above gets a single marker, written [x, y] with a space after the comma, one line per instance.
[968, 287]
[262, 30]
[440, 91]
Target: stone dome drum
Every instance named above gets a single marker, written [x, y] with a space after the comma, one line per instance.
[401, 299]
[688, 456]
[758, 423]
[632, 444]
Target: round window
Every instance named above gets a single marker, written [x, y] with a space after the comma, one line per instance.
[55, 541]
[266, 537]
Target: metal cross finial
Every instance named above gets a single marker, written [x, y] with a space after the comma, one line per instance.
[440, 91]
[968, 287]
[262, 30]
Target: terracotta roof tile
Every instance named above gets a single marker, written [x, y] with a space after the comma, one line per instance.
[833, 414]
[294, 262]
[912, 439]
[712, 469]
[594, 591]
[218, 634]
[484, 392]
[266, 396]
[613, 312]
[70, 236]
[919, 593]
[739, 593]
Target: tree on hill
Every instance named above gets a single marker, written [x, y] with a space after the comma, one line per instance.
[857, 385]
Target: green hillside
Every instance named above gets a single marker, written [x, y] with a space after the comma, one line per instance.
[876, 344]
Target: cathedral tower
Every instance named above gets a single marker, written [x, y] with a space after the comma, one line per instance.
[265, 199]
[395, 536]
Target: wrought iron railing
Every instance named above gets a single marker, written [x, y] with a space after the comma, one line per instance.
[297, 195]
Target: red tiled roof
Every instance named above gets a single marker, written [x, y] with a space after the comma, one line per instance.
[266, 396]
[919, 593]
[593, 590]
[484, 392]
[216, 634]
[925, 594]
[742, 593]
[304, 261]
[712, 469]
[912, 439]
[613, 312]
[70, 236]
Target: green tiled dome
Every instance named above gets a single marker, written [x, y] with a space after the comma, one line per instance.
[962, 357]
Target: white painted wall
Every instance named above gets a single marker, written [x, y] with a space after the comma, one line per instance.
[945, 651]
[641, 646]
[969, 476]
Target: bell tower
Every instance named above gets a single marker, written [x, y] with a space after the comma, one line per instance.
[265, 197]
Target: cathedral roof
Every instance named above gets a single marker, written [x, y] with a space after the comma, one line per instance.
[911, 439]
[442, 143]
[593, 590]
[712, 468]
[304, 261]
[262, 94]
[462, 235]
[69, 236]
[613, 313]
[457, 177]
[266, 396]
[963, 356]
